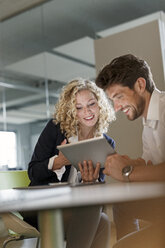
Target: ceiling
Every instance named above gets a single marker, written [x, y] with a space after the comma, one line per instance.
[53, 40]
[9, 8]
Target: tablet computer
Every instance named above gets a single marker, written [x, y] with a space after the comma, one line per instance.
[95, 149]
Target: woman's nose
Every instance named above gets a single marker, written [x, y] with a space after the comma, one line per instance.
[87, 109]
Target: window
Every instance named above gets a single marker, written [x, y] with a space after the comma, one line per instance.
[8, 145]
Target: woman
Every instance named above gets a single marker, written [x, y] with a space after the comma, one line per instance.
[82, 112]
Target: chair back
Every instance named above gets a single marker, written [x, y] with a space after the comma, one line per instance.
[14, 225]
[10, 179]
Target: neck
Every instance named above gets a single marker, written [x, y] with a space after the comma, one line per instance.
[85, 133]
[147, 97]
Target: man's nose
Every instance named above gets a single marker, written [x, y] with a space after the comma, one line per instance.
[117, 106]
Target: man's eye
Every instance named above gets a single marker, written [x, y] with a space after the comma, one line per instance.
[119, 96]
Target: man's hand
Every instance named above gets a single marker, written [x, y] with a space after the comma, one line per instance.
[115, 163]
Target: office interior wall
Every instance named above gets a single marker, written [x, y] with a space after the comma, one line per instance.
[144, 41]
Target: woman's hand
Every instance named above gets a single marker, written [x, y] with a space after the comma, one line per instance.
[88, 172]
[60, 160]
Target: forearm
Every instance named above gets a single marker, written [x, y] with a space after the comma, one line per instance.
[40, 174]
[141, 171]
[148, 173]
[59, 161]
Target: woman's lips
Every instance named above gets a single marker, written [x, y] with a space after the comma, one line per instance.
[89, 118]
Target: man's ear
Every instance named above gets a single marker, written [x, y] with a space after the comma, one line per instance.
[140, 85]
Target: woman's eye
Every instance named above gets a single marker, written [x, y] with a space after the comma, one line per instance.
[92, 104]
[78, 108]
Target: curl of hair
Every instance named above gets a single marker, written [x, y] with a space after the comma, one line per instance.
[65, 108]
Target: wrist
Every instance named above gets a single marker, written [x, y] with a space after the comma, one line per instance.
[57, 163]
[51, 162]
[126, 172]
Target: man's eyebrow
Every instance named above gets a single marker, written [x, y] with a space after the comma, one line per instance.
[116, 94]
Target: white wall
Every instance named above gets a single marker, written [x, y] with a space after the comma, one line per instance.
[144, 40]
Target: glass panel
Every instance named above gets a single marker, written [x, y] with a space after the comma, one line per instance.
[24, 87]
[8, 158]
[34, 65]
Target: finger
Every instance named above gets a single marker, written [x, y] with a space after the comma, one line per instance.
[140, 159]
[85, 170]
[90, 167]
[104, 171]
[125, 156]
[90, 171]
[96, 172]
[80, 168]
[140, 162]
[64, 142]
[149, 162]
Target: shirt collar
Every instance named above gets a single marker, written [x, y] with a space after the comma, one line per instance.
[150, 123]
[153, 110]
[73, 139]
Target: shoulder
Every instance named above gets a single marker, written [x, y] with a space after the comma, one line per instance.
[51, 126]
[158, 96]
[110, 140]
[52, 131]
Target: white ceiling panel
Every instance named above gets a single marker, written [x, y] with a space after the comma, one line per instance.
[28, 114]
[47, 65]
[82, 49]
[37, 110]
[12, 7]
[13, 118]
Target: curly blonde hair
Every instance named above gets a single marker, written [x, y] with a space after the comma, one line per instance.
[65, 108]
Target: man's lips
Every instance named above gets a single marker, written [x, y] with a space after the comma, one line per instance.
[126, 110]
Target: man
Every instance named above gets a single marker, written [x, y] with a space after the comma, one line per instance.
[128, 82]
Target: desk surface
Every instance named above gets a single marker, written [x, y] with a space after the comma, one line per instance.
[65, 196]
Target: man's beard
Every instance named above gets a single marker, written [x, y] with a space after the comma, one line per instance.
[138, 111]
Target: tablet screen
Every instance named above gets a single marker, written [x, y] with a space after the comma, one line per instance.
[95, 149]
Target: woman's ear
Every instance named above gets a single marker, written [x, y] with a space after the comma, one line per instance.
[140, 85]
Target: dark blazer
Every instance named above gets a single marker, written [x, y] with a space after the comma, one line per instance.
[46, 148]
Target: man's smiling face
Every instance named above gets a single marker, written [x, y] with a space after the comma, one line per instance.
[127, 100]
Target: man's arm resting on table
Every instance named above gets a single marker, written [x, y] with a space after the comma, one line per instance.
[141, 171]
[148, 173]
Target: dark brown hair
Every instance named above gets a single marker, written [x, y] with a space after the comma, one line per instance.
[125, 70]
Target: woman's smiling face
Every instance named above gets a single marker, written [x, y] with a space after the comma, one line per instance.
[87, 108]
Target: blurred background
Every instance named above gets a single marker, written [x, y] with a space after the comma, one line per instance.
[43, 45]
